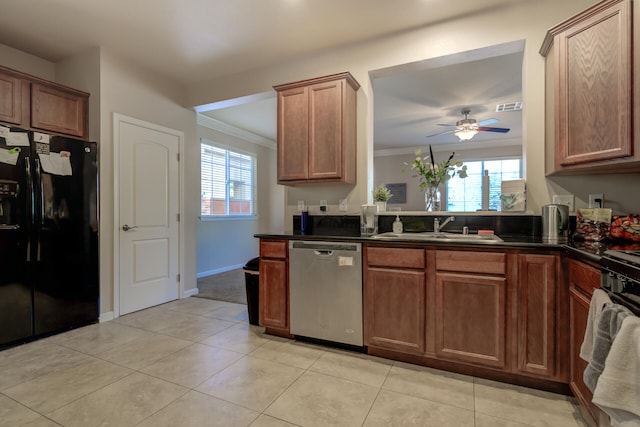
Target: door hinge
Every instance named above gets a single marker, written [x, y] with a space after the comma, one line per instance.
[178, 277]
[178, 217]
[178, 156]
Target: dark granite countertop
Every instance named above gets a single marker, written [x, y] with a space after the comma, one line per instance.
[519, 231]
[508, 241]
[589, 250]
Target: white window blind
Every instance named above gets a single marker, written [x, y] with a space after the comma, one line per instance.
[465, 195]
[227, 182]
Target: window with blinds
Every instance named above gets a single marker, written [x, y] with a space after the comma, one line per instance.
[465, 195]
[227, 182]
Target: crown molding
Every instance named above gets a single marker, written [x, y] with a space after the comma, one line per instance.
[234, 131]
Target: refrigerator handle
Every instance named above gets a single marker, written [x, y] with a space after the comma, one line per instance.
[41, 187]
[30, 202]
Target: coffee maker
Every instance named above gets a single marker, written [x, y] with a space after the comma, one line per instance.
[8, 204]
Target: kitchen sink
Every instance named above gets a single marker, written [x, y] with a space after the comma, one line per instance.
[440, 237]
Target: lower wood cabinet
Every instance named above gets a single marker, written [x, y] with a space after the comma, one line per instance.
[470, 307]
[583, 279]
[396, 309]
[538, 329]
[394, 295]
[470, 318]
[495, 309]
[274, 286]
[485, 310]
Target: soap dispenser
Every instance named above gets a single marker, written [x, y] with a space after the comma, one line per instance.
[397, 225]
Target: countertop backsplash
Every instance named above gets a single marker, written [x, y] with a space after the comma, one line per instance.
[349, 225]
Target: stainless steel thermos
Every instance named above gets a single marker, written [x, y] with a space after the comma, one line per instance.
[555, 223]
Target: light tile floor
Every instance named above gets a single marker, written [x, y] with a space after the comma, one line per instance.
[197, 362]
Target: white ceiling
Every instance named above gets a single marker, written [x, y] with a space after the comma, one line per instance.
[412, 101]
[197, 40]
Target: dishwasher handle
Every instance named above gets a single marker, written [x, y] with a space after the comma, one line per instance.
[324, 247]
[326, 253]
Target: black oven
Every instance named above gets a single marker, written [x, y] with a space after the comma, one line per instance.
[621, 278]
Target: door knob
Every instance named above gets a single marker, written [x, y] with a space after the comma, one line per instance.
[127, 228]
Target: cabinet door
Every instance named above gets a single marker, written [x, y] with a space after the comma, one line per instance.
[394, 309]
[325, 130]
[274, 294]
[57, 110]
[470, 318]
[536, 312]
[293, 134]
[579, 312]
[593, 87]
[11, 103]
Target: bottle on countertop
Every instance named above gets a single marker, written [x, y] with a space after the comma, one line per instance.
[397, 225]
[485, 191]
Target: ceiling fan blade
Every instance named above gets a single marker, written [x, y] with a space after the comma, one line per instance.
[488, 122]
[443, 124]
[437, 134]
[489, 129]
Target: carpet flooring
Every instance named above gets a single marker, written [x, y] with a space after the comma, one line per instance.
[228, 286]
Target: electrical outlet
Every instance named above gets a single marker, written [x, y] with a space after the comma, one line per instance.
[301, 206]
[343, 205]
[565, 199]
[323, 205]
[596, 200]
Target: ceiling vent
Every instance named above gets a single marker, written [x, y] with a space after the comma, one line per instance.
[509, 106]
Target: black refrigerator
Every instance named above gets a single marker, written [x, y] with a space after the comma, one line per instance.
[48, 235]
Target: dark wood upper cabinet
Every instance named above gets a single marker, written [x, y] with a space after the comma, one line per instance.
[589, 90]
[33, 103]
[60, 110]
[12, 102]
[317, 130]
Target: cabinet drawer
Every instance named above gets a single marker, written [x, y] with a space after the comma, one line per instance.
[396, 257]
[584, 276]
[273, 248]
[471, 262]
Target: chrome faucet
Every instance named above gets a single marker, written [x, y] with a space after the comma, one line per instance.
[437, 226]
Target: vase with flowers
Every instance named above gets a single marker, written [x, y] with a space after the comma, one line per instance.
[432, 174]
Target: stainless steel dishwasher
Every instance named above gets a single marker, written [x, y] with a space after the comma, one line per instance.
[325, 280]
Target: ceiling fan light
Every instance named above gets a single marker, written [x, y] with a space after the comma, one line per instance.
[465, 134]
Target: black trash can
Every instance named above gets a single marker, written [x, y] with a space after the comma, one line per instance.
[252, 284]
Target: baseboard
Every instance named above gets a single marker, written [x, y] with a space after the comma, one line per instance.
[190, 292]
[218, 270]
[105, 317]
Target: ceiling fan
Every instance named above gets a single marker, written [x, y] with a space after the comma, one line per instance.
[467, 128]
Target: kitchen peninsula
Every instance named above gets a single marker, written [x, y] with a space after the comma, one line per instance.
[498, 310]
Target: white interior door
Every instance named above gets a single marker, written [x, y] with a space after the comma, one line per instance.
[148, 197]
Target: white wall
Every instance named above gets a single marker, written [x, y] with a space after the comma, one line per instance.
[527, 21]
[118, 86]
[18, 60]
[142, 94]
[225, 244]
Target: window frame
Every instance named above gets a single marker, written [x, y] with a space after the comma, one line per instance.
[483, 160]
[230, 150]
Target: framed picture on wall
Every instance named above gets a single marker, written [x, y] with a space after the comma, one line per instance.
[399, 193]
